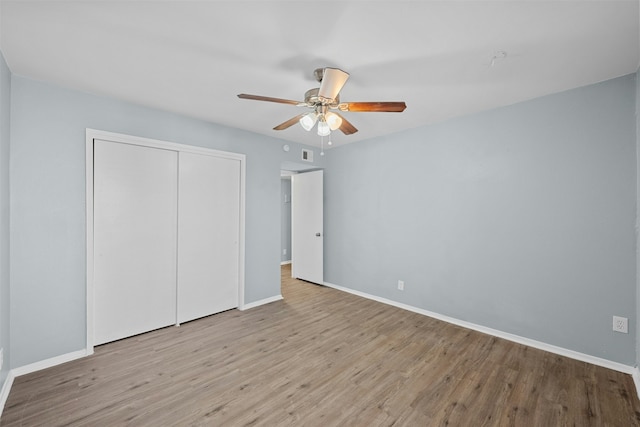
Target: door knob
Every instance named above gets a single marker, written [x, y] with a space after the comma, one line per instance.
[317, 234]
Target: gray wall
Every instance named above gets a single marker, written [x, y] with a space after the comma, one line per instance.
[285, 220]
[520, 219]
[637, 218]
[48, 206]
[5, 105]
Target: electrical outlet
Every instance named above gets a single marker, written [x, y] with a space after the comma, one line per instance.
[621, 324]
[400, 285]
[284, 252]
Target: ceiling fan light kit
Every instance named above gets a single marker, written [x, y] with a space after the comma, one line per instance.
[333, 120]
[323, 128]
[308, 121]
[324, 98]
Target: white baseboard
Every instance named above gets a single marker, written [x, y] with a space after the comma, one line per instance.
[260, 302]
[620, 367]
[6, 388]
[636, 379]
[285, 262]
[33, 367]
[48, 363]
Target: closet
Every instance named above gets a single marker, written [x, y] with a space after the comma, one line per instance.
[166, 234]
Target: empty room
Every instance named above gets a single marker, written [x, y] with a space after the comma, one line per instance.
[319, 213]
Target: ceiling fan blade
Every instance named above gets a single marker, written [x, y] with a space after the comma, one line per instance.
[269, 99]
[346, 127]
[389, 107]
[332, 81]
[292, 121]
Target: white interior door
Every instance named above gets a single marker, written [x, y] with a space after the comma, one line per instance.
[307, 231]
[208, 235]
[135, 204]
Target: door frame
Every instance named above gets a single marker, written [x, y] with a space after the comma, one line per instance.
[92, 134]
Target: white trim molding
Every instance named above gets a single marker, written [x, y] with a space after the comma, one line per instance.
[48, 363]
[620, 367]
[33, 367]
[636, 379]
[260, 302]
[285, 262]
[6, 389]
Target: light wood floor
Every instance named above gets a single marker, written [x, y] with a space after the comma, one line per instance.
[324, 358]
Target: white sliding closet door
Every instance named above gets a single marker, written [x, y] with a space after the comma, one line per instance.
[135, 205]
[208, 235]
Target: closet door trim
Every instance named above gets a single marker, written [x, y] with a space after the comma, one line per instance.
[91, 135]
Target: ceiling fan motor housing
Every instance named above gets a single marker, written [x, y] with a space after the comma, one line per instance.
[312, 99]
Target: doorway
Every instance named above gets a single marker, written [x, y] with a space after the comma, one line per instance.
[307, 261]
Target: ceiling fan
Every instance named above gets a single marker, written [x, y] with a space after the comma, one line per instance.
[326, 97]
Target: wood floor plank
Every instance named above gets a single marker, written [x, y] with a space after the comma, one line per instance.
[321, 357]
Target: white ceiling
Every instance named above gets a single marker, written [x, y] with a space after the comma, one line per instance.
[193, 58]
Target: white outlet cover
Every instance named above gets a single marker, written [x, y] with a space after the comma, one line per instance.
[621, 324]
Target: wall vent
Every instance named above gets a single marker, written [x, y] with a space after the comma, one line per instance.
[307, 155]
